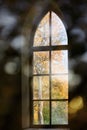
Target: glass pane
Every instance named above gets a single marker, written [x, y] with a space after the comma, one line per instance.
[59, 87]
[41, 87]
[41, 112]
[59, 36]
[59, 112]
[41, 62]
[42, 33]
[59, 61]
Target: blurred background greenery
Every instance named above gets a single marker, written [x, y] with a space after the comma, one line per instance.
[12, 17]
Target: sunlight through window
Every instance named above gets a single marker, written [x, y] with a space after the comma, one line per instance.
[50, 73]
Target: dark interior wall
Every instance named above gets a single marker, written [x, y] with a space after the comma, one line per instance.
[13, 15]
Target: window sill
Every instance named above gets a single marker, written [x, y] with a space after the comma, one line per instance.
[64, 127]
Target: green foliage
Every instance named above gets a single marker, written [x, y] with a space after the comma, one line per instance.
[46, 114]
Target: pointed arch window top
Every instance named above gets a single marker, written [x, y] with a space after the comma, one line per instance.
[49, 83]
[50, 29]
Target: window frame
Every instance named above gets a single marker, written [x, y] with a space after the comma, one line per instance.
[31, 75]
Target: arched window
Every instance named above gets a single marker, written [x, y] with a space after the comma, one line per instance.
[49, 77]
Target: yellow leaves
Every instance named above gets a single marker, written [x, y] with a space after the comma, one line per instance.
[60, 87]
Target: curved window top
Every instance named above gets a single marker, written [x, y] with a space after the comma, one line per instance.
[56, 31]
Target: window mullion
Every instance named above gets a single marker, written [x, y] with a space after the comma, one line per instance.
[50, 64]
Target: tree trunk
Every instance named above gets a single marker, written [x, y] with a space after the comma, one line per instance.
[40, 104]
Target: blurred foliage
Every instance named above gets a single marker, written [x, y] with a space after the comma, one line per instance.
[12, 17]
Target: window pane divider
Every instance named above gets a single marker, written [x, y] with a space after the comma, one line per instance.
[50, 66]
[57, 126]
[50, 100]
[57, 74]
[50, 48]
